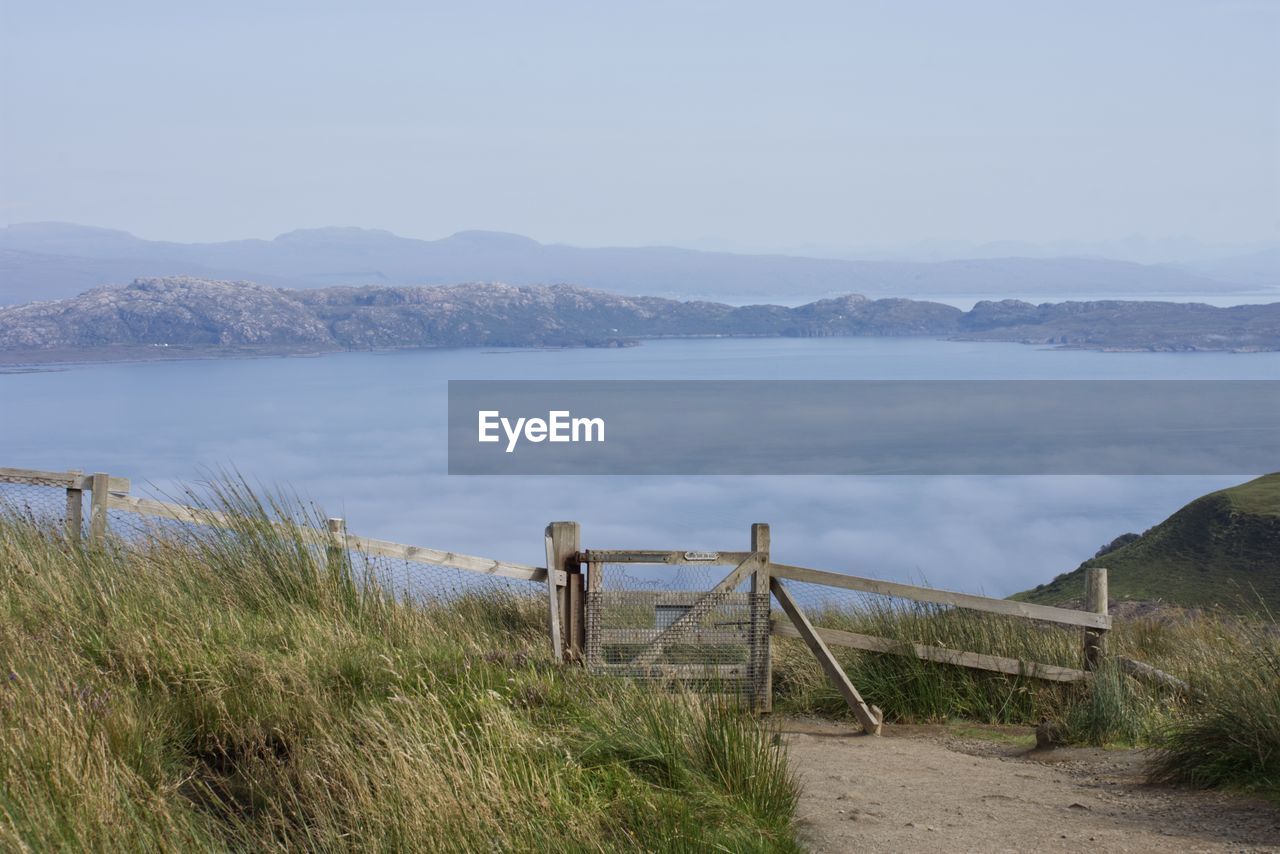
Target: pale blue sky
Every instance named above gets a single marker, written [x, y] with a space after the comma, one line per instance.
[756, 125]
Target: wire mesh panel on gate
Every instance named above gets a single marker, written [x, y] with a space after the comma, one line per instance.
[664, 625]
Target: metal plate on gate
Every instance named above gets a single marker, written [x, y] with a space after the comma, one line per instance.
[702, 555]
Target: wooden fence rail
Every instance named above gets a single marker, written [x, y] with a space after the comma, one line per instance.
[1047, 613]
[111, 493]
[1095, 621]
[64, 479]
[367, 545]
[940, 654]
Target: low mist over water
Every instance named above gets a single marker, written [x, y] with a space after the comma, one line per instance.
[362, 434]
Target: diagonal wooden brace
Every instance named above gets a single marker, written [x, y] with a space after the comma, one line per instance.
[650, 654]
[869, 719]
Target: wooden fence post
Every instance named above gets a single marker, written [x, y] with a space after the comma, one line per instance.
[1095, 600]
[101, 486]
[762, 657]
[75, 511]
[594, 583]
[575, 597]
[564, 541]
[336, 551]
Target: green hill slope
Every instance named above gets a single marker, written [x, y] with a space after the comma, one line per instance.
[1221, 549]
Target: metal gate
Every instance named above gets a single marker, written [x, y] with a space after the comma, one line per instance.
[686, 623]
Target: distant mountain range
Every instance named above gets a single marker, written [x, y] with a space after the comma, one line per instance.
[43, 261]
[1255, 269]
[183, 316]
[1183, 253]
[1221, 549]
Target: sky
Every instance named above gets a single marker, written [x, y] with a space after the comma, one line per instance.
[737, 124]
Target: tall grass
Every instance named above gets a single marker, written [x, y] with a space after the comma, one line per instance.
[1230, 734]
[1111, 708]
[1225, 732]
[229, 690]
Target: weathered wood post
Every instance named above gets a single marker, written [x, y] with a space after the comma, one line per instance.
[567, 603]
[575, 596]
[101, 486]
[762, 648]
[1095, 600]
[591, 654]
[75, 509]
[553, 599]
[336, 551]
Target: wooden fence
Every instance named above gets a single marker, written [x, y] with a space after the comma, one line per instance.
[764, 574]
[112, 493]
[75, 483]
[572, 575]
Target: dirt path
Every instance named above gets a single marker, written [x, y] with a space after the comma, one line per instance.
[923, 789]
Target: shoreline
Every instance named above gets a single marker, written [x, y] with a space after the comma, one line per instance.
[29, 361]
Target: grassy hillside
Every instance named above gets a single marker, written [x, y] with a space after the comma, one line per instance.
[1221, 549]
[230, 693]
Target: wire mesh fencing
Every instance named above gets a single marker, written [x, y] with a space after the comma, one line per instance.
[663, 624]
[433, 582]
[138, 528]
[405, 579]
[42, 503]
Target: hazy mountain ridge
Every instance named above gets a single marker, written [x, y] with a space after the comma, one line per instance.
[193, 313]
[1126, 325]
[183, 312]
[226, 318]
[1254, 269]
[57, 260]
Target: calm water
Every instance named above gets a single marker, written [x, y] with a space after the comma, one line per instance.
[363, 435]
